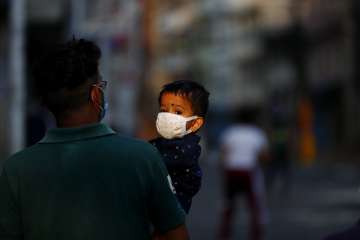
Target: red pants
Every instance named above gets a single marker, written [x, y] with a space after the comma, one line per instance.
[251, 184]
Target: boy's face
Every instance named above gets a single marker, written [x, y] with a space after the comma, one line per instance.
[180, 105]
[176, 104]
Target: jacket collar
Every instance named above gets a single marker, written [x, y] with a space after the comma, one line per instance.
[59, 135]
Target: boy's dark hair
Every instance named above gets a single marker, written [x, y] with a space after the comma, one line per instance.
[64, 76]
[193, 91]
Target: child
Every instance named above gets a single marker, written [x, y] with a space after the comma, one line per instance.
[183, 106]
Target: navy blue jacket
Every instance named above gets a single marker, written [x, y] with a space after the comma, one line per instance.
[181, 157]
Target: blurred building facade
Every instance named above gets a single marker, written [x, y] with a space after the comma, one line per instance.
[247, 52]
[244, 51]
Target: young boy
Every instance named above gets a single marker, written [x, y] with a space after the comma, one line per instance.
[183, 106]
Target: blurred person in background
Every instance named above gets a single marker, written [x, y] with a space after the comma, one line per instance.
[244, 147]
[82, 180]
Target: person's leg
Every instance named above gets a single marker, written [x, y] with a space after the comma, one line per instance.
[228, 211]
[227, 219]
[256, 201]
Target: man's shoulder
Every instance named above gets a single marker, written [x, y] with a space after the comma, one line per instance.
[18, 158]
[114, 145]
[136, 148]
[130, 143]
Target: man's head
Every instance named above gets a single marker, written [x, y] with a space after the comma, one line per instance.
[185, 98]
[67, 80]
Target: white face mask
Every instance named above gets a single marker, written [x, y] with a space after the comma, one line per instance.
[170, 125]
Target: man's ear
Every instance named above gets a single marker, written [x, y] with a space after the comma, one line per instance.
[196, 124]
[95, 97]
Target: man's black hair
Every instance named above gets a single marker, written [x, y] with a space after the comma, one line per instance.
[193, 91]
[64, 76]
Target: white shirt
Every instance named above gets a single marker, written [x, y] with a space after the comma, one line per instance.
[242, 145]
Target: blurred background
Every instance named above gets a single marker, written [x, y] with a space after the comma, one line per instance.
[297, 61]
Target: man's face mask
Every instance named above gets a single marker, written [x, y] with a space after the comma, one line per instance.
[170, 125]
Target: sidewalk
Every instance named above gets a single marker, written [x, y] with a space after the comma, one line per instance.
[323, 199]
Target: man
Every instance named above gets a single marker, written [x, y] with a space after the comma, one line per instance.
[82, 181]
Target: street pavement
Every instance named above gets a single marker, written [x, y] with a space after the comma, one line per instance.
[322, 199]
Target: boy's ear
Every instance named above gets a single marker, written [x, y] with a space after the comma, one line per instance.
[196, 124]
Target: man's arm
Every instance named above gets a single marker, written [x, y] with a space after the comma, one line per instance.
[179, 233]
[166, 215]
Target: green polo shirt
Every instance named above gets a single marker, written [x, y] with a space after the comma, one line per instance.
[86, 183]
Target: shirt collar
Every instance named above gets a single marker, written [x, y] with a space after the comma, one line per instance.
[58, 135]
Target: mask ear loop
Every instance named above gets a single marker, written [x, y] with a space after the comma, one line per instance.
[188, 120]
